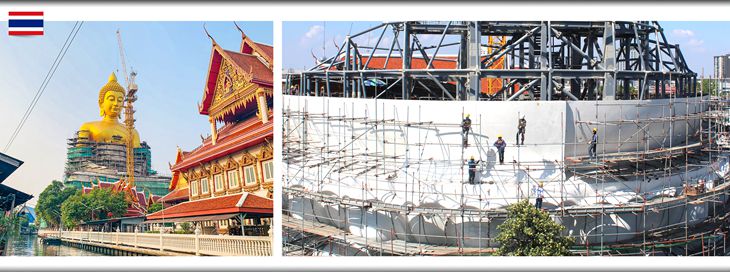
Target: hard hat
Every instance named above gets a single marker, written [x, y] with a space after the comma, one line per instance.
[467, 115]
[541, 184]
[499, 135]
[595, 129]
[472, 157]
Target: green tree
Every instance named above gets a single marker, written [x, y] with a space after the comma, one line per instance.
[50, 200]
[530, 232]
[709, 86]
[96, 205]
[155, 207]
[73, 211]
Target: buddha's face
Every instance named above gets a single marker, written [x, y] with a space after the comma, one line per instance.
[112, 104]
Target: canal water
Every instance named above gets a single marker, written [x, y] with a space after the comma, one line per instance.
[31, 245]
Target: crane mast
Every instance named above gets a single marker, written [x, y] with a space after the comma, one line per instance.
[128, 112]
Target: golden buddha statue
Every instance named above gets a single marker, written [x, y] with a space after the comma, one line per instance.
[109, 129]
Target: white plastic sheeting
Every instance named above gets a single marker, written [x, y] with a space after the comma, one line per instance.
[410, 153]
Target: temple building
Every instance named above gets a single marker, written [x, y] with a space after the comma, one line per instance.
[97, 152]
[225, 185]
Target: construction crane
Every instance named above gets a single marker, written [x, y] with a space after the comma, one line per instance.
[128, 112]
[493, 43]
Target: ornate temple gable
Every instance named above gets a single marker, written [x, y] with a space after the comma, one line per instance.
[233, 90]
[216, 168]
[248, 159]
[231, 164]
[266, 153]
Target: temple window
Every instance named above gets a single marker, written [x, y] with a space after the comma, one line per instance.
[204, 186]
[218, 180]
[250, 175]
[268, 170]
[194, 187]
[233, 179]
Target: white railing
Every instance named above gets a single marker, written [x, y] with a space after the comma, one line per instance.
[217, 245]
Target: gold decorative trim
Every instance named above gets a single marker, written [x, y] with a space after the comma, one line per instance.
[230, 164]
[233, 90]
[196, 175]
[215, 168]
[266, 152]
[247, 159]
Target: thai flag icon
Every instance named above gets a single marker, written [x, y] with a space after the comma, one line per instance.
[25, 23]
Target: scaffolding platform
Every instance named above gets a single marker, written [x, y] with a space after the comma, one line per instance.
[391, 247]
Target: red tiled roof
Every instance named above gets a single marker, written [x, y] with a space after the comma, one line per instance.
[267, 49]
[378, 62]
[231, 138]
[443, 62]
[217, 205]
[174, 196]
[252, 63]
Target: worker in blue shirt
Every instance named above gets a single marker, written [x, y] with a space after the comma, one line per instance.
[593, 143]
[500, 144]
[472, 169]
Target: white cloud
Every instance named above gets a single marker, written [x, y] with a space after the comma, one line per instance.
[683, 32]
[313, 31]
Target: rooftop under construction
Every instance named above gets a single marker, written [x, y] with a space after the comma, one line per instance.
[366, 175]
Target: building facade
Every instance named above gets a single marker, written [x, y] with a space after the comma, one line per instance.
[226, 183]
[722, 66]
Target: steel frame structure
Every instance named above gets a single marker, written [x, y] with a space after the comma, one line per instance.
[547, 60]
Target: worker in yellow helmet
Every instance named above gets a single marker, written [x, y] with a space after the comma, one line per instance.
[472, 169]
[465, 127]
[539, 195]
[500, 144]
[593, 143]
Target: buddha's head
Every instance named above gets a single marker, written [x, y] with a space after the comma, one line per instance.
[111, 98]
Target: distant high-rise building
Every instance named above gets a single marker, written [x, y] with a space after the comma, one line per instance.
[722, 66]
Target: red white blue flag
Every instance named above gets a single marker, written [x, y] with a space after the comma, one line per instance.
[25, 23]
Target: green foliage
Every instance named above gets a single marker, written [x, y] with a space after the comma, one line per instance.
[95, 205]
[50, 200]
[186, 227]
[709, 86]
[530, 232]
[155, 207]
[8, 226]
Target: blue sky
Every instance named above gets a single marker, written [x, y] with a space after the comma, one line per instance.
[171, 59]
[699, 41]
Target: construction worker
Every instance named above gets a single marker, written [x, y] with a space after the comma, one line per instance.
[472, 169]
[465, 127]
[521, 131]
[500, 144]
[539, 195]
[593, 143]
